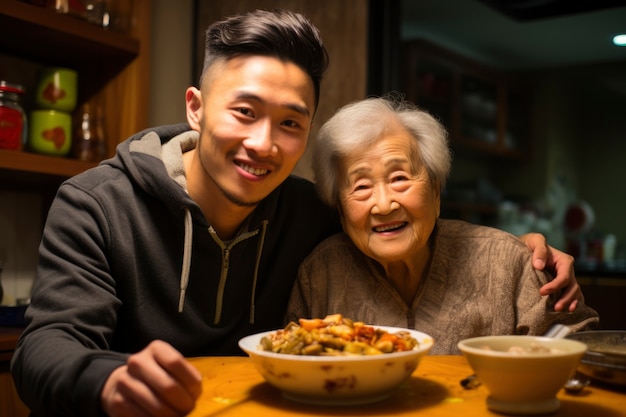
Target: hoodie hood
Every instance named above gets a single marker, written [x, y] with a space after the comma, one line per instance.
[138, 157]
[153, 159]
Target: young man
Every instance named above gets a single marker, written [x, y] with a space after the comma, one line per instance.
[189, 239]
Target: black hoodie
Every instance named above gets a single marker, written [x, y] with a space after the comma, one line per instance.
[128, 257]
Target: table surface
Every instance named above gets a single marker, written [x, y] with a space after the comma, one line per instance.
[233, 387]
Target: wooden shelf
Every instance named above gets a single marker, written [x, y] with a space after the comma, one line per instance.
[484, 109]
[24, 162]
[46, 35]
[111, 66]
[54, 39]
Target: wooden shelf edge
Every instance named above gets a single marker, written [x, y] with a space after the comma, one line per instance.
[41, 164]
[68, 29]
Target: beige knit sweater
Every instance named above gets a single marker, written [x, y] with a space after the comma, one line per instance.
[480, 282]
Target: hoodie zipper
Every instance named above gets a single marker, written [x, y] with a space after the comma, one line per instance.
[219, 298]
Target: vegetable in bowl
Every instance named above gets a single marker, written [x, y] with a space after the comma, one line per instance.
[335, 335]
[346, 362]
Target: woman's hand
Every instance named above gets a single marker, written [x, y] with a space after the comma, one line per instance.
[560, 265]
[158, 381]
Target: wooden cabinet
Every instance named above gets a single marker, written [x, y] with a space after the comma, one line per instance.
[113, 71]
[10, 403]
[482, 108]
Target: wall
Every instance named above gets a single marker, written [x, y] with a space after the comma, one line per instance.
[171, 60]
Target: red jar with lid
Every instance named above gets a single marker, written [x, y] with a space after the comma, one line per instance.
[12, 117]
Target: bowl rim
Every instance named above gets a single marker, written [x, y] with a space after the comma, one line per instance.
[249, 345]
[577, 348]
[599, 357]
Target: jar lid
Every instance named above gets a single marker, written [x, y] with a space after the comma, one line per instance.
[10, 87]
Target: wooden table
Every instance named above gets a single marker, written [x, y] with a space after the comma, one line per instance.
[233, 387]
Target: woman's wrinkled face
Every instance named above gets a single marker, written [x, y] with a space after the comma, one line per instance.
[389, 204]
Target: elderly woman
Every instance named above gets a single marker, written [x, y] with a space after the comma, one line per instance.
[383, 165]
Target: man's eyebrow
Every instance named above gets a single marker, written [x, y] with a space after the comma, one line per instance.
[245, 95]
[303, 110]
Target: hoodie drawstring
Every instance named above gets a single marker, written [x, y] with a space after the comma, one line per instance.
[256, 270]
[184, 275]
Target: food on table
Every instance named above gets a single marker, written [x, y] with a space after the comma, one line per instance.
[335, 335]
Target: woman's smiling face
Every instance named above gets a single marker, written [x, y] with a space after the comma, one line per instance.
[389, 204]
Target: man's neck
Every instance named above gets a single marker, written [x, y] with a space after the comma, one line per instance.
[225, 216]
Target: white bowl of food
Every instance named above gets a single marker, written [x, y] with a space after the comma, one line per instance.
[327, 365]
[523, 374]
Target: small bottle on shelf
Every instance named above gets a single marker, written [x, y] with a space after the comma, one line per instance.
[89, 136]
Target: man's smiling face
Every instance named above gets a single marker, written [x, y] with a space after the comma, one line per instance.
[255, 119]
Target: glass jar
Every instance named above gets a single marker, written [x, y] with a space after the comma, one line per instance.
[89, 141]
[12, 117]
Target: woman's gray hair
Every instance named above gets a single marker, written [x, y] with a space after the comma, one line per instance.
[358, 125]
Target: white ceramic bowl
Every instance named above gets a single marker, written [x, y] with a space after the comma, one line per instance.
[337, 380]
[522, 383]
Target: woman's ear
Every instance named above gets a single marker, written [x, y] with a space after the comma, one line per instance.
[193, 103]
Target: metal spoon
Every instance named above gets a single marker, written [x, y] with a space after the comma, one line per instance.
[576, 384]
[557, 331]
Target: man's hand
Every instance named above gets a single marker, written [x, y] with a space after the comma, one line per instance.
[157, 381]
[561, 265]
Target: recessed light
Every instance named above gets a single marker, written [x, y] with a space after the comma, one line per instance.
[619, 40]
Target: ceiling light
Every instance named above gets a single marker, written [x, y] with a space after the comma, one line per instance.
[620, 40]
